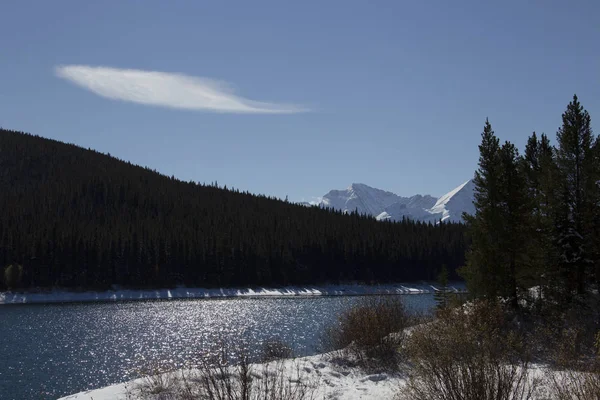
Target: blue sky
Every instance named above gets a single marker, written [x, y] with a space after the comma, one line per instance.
[297, 98]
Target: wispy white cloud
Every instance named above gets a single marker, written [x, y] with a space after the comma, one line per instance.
[167, 90]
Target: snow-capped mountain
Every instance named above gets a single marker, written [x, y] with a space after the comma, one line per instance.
[386, 205]
[451, 205]
[364, 199]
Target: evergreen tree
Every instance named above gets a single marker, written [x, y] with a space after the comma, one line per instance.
[515, 220]
[594, 238]
[577, 191]
[441, 296]
[13, 275]
[540, 174]
[498, 230]
[482, 271]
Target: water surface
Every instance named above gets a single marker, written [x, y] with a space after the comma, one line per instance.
[49, 351]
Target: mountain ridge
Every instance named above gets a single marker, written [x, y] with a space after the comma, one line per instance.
[385, 205]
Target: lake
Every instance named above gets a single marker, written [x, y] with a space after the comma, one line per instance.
[48, 351]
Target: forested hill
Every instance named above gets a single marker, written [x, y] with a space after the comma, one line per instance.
[72, 217]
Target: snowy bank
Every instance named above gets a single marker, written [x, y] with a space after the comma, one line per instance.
[329, 379]
[202, 293]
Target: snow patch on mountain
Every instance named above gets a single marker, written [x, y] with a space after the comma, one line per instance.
[360, 197]
[451, 205]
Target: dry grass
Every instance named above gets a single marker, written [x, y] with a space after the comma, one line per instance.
[469, 353]
[215, 378]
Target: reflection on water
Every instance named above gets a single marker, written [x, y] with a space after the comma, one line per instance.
[48, 351]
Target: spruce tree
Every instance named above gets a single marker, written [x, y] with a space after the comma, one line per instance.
[576, 184]
[594, 239]
[13, 275]
[531, 174]
[498, 229]
[482, 269]
[515, 220]
[540, 174]
[442, 294]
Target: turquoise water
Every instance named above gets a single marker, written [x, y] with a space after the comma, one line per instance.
[49, 351]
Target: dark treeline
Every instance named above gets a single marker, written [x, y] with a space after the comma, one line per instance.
[71, 217]
[538, 216]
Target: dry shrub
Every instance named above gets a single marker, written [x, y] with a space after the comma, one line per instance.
[575, 385]
[468, 353]
[578, 377]
[216, 378]
[275, 349]
[419, 317]
[159, 382]
[565, 337]
[371, 332]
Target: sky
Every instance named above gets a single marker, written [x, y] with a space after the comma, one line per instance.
[297, 98]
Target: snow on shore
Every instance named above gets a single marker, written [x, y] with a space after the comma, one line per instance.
[330, 380]
[199, 293]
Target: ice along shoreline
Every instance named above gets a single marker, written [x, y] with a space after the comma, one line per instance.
[64, 296]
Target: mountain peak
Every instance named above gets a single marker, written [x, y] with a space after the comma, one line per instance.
[385, 205]
[458, 199]
[358, 186]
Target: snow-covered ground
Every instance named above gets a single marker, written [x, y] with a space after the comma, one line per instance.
[330, 376]
[329, 379]
[198, 293]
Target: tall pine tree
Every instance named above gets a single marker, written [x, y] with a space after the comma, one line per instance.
[540, 174]
[498, 228]
[442, 294]
[482, 269]
[515, 220]
[577, 191]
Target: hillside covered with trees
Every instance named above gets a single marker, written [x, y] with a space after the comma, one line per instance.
[76, 218]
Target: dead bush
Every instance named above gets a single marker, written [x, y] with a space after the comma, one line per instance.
[468, 353]
[159, 381]
[574, 385]
[215, 377]
[564, 337]
[275, 349]
[371, 332]
[578, 374]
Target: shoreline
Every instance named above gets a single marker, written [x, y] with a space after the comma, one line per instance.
[65, 296]
[328, 379]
